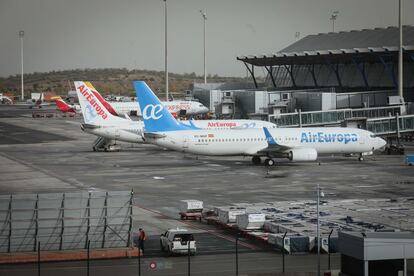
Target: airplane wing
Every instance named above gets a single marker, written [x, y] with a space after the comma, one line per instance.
[272, 146]
[154, 135]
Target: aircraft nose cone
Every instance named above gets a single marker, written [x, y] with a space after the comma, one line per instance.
[381, 142]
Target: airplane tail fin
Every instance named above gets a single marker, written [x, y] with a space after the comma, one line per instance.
[107, 105]
[63, 106]
[156, 117]
[93, 111]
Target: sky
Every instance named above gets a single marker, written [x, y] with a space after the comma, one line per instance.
[77, 34]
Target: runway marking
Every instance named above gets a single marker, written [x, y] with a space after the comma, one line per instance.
[200, 228]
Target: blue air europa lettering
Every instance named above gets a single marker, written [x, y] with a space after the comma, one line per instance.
[322, 137]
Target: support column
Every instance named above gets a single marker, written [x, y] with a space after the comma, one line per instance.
[366, 268]
[105, 219]
[270, 72]
[361, 69]
[36, 238]
[251, 71]
[335, 69]
[10, 223]
[390, 71]
[88, 207]
[311, 69]
[131, 199]
[290, 71]
[62, 212]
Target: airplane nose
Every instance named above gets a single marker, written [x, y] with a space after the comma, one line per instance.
[381, 143]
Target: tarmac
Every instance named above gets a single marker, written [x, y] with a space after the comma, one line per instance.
[53, 155]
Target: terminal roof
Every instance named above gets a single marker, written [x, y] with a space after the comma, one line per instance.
[340, 47]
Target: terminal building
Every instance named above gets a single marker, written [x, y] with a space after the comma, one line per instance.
[324, 79]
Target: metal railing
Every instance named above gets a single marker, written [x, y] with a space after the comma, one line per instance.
[65, 221]
[389, 125]
[314, 118]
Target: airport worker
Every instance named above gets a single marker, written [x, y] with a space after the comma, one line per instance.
[141, 239]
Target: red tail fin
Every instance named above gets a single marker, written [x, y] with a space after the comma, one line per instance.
[64, 107]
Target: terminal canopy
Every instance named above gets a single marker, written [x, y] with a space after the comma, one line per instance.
[333, 60]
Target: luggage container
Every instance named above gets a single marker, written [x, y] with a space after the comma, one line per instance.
[250, 221]
[276, 226]
[292, 243]
[191, 209]
[228, 215]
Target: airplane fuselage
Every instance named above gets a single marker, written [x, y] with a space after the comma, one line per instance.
[190, 107]
[131, 131]
[252, 141]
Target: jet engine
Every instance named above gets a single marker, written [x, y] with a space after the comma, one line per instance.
[305, 154]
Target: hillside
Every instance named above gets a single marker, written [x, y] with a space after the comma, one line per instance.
[108, 81]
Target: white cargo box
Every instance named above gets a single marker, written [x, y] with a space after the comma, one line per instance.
[250, 221]
[191, 206]
[228, 215]
[292, 243]
[275, 227]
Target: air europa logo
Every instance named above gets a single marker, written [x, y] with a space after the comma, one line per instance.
[92, 101]
[152, 112]
[220, 124]
[321, 137]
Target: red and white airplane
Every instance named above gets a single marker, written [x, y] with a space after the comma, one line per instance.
[67, 108]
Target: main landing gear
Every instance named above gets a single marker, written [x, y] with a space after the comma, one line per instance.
[268, 161]
[361, 158]
[256, 160]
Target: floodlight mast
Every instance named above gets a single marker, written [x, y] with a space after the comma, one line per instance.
[400, 53]
[166, 49]
[334, 15]
[204, 15]
[21, 35]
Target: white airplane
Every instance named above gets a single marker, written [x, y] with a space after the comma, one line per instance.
[296, 144]
[125, 108]
[175, 107]
[109, 128]
[39, 103]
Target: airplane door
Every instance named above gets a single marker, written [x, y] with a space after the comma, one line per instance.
[117, 134]
[186, 142]
[361, 139]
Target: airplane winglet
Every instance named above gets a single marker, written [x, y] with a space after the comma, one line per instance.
[269, 137]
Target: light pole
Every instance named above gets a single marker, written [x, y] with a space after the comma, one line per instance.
[21, 35]
[319, 194]
[334, 15]
[166, 50]
[400, 53]
[297, 35]
[204, 15]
